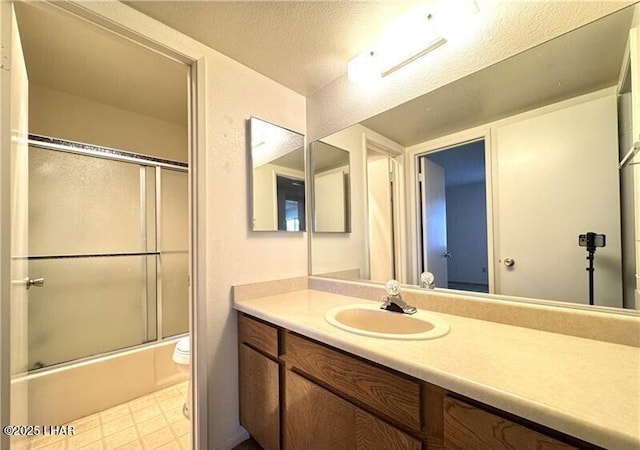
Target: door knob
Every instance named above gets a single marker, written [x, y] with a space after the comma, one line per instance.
[509, 262]
[35, 282]
[446, 255]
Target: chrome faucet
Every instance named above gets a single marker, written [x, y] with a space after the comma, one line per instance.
[393, 301]
[427, 280]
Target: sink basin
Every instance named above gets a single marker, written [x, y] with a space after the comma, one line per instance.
[370, 320]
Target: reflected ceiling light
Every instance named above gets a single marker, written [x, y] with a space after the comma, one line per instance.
[409, 37]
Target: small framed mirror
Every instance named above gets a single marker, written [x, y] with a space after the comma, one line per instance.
[278, 178]
[331, 188]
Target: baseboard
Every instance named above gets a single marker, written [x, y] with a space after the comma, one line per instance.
[238, 439]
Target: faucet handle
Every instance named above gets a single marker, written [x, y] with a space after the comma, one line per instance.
[427, 280]
[393, 287]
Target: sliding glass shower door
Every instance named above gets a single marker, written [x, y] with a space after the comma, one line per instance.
[96, 229]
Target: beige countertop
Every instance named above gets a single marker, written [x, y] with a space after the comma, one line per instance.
[585, 388]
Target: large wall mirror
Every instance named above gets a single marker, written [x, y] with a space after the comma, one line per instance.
[331, 192]
[509, 182]
[278, 178]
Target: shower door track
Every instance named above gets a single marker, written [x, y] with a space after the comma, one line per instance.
[62, 145]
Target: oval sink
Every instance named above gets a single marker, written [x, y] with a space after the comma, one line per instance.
[370, 320]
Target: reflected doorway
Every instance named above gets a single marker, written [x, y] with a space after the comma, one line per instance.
[453, 203]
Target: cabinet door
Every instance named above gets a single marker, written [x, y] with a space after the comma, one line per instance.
[259, 397]
[469, 428]
[316, 419]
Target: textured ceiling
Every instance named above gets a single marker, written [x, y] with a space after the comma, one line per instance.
[579, 62]
[67, 54]
[301, 44]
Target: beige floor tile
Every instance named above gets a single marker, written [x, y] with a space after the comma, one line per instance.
[117, 425]
[135, 445]
[44, 440]
[172, 403]
[174, 414]
[185, 441]
[114, 413]
[183, 387]
[98, 445]
[157, 438]
[59, 445]
[86, 423]
[151, 425]
[121, 438]
[142, 402]
[145, 414]
[166, 394]
[83, 439]
[181, 427]
[173, 445]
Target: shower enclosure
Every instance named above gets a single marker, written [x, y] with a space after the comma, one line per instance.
[108, 233]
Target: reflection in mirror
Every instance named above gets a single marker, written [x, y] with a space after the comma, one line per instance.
[331, 187]
[508, 172]
[278, 177]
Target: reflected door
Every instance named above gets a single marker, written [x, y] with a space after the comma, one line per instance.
[560, 166]
[434, 221]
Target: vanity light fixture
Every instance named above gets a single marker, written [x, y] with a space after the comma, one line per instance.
[409, 37]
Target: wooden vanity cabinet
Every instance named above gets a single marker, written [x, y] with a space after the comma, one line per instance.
[317, 419]
[259, 378]
[469, 427]
[299, 394]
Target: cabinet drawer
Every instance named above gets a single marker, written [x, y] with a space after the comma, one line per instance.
[467, 427]
[384, 392]
[258, 335]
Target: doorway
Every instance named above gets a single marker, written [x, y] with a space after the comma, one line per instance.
[453, 211]
[150, 177]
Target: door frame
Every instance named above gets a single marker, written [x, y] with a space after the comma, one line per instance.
[396, 152]
[117, 18]
[413, 192]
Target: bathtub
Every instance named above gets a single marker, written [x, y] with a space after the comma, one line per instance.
[59, 395]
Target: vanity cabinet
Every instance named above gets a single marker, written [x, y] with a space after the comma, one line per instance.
[469, 427]
[316, 419]
[259, 381]
[299, 394]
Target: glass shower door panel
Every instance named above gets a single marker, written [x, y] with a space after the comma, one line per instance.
[83, 204]
[174, 254]
[175, 293]
[107, 309]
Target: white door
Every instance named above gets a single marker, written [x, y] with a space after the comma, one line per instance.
[557, 178]
[15, 117]
[434, 221]
[380, 217]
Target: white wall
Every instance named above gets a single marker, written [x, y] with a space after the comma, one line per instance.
[61, 115]
[234, 255]
[503, 29]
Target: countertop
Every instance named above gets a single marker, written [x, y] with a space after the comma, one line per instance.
[585, 388]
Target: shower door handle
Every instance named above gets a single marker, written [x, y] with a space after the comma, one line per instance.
[35, 282]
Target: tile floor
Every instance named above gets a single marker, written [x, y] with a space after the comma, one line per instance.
[154, 421]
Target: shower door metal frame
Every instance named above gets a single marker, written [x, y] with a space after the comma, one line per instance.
[144, 161]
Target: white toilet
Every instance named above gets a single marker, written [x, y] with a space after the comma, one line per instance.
[182, 358]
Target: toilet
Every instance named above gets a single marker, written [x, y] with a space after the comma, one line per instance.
[182, 358]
